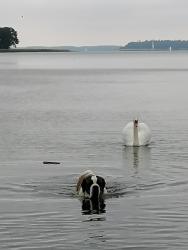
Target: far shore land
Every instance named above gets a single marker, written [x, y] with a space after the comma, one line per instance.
[145, 46]
[32, 50]
[120, 50]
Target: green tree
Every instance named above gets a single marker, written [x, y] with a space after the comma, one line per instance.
[8, 37]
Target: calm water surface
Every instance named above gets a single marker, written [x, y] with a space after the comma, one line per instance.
[72, 108]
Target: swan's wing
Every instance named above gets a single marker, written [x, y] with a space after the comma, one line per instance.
[144, 134]
[127, 134]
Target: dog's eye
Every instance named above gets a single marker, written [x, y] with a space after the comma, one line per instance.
[89, 182]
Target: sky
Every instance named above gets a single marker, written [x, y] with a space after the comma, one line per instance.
[94, 22]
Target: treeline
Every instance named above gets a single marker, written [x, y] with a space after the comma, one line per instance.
[157, 45]
[8, 37]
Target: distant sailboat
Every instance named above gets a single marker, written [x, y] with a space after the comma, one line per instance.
[170, 48]
[153, 45]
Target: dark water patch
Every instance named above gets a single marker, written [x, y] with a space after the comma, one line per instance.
[178, 183]
[62, 187]
[121, 187]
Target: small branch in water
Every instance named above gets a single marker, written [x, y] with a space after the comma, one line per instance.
[51, 162]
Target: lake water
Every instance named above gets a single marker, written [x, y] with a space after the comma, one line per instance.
[71, 108]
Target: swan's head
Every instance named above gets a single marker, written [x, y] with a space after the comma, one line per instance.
[136, 123]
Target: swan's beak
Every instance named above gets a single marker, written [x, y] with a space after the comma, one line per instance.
[136, 123]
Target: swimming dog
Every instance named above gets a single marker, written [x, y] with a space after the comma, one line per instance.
[91, 186]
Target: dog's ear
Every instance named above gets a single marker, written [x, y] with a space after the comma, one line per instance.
[101, 182]
[83, 185]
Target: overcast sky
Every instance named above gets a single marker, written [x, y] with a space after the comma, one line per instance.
[94, 22]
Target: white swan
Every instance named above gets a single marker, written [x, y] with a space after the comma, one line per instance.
[136, 134]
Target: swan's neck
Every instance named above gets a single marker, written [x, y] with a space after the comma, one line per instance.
[135, 135]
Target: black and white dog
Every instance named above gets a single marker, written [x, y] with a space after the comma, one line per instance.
[91, 186]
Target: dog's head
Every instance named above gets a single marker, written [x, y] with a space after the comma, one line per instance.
[93, 186]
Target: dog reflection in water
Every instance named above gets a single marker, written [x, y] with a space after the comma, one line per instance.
[92, 207]
[91, 189]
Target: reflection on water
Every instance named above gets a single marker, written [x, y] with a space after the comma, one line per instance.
[137, 157]
[93, 207]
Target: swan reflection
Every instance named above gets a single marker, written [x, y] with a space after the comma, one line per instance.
[137, 157]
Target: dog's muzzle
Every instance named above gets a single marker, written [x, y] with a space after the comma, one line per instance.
[94, 191]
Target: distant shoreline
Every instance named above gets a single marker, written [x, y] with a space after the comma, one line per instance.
[139, 46]
[54, 50]
[32, 50]
[157, 45]
[153, 50]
